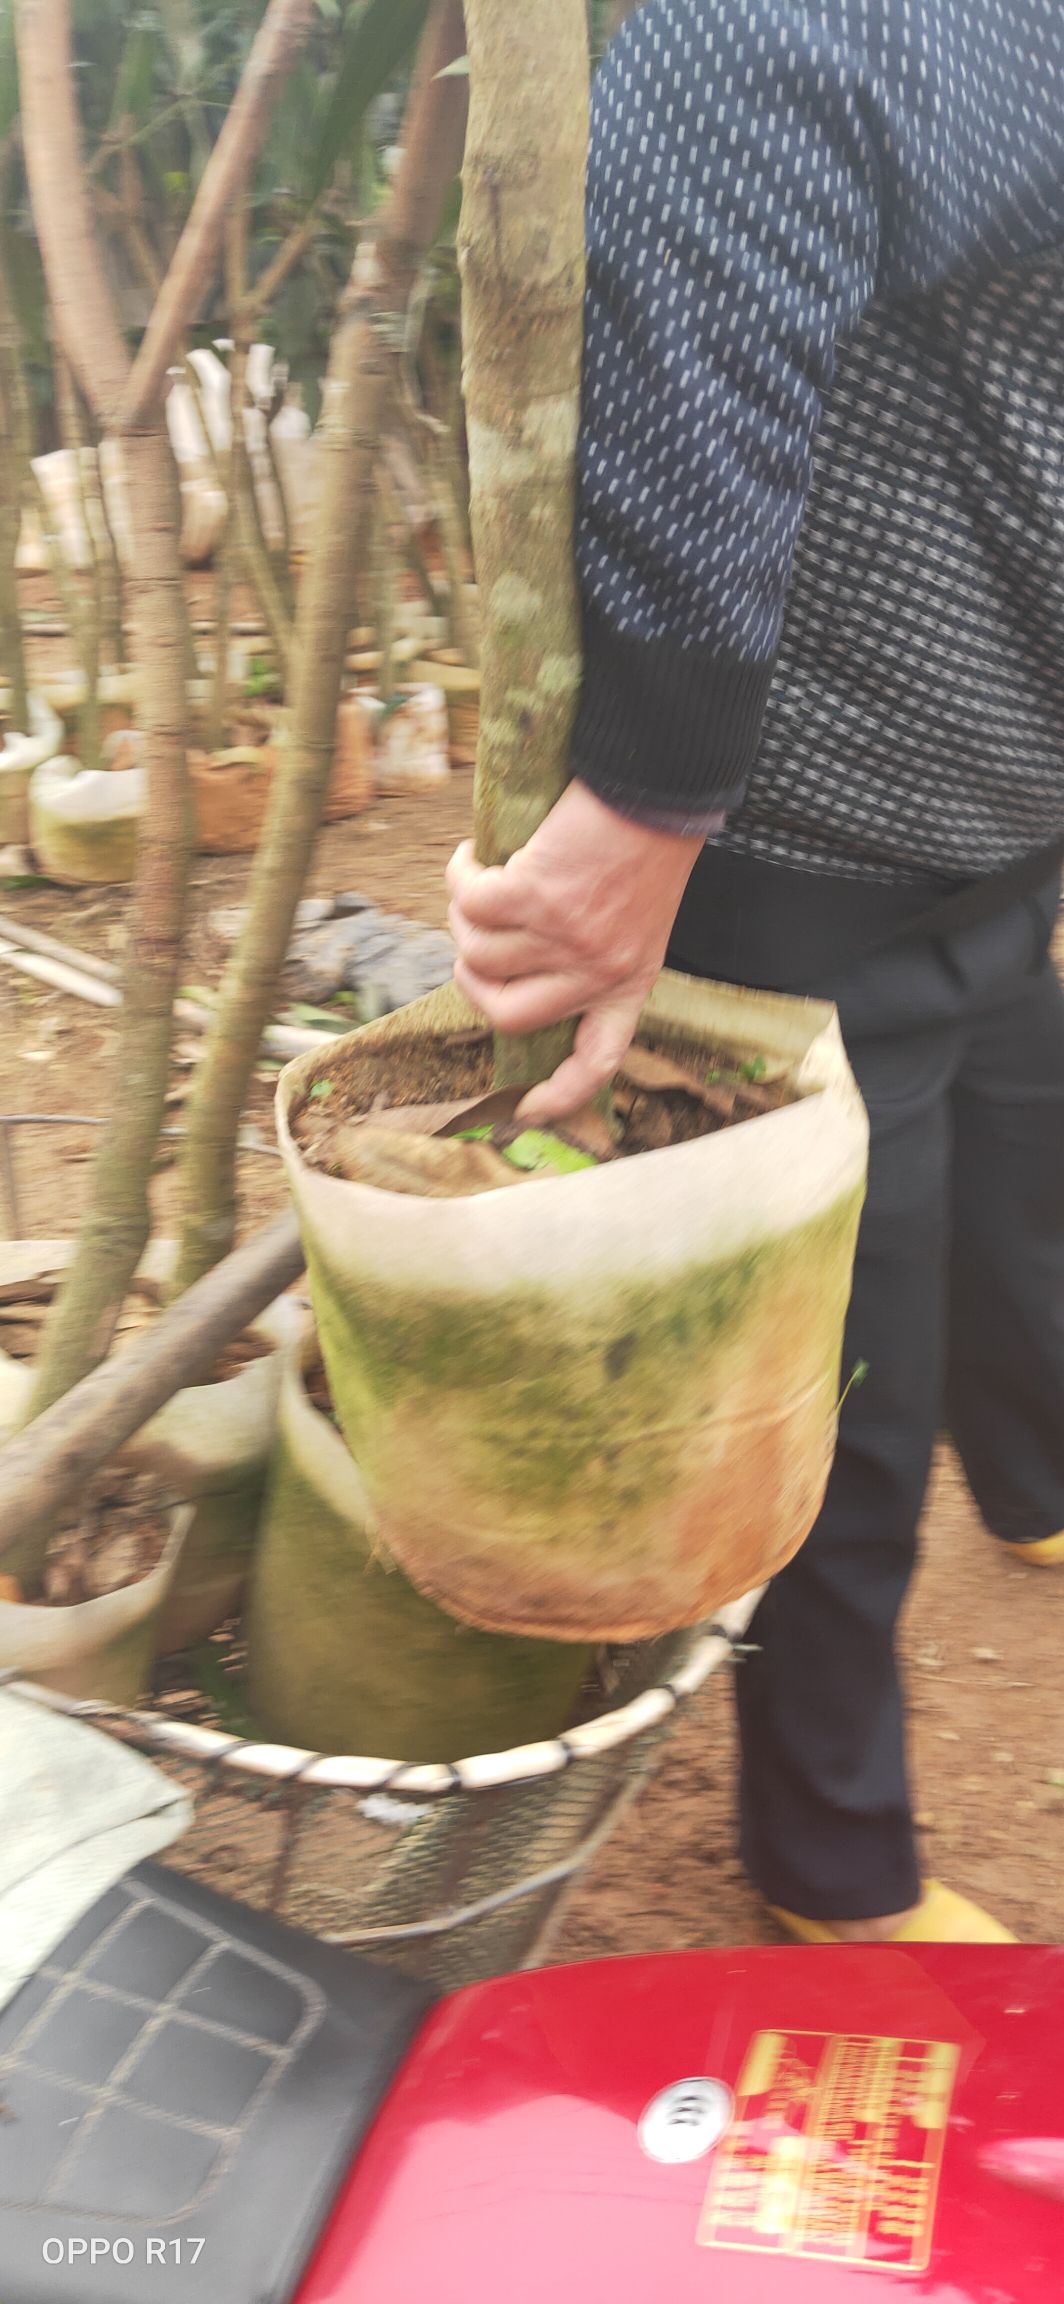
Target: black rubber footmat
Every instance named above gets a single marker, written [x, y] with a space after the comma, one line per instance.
[182, 2089]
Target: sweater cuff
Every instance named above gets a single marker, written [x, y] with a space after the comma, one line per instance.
[665, 728]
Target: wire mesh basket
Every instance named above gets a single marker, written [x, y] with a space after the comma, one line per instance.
[451, 1871]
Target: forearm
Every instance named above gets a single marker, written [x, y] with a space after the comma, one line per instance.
[756, 176]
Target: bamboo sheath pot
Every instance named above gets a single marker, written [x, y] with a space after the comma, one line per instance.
[461, 687]
[231, 789]
[101, 1649]
[20, 755]
[602, 1406]
[210, 1445]
[342, 1653]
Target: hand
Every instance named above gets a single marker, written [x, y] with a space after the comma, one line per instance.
[576, 924]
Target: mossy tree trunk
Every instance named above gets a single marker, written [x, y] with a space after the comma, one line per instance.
[361, 381]
[521, 251]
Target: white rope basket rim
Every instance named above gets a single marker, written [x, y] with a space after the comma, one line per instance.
[419, 1781]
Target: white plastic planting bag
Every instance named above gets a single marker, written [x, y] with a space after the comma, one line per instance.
[76, 1811]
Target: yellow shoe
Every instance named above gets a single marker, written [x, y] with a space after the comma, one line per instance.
[1047, 1553]
[941, 1917]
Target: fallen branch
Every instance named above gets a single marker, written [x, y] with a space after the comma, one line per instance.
[46, 1465]
[86, 977]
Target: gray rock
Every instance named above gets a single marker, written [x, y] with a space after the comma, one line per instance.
[437, 950]
[350, 902]
[386, 961]
[314, 911]
[227, 922]
[412, 971]
[317, 962]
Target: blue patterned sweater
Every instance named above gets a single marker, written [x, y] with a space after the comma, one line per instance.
[821, 518]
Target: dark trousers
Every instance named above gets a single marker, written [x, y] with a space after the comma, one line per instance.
[958, 1309]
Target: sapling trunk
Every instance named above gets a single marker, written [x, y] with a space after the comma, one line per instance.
[218, 705]
[225, 557]
[253, 548]
[128, 402]
[16, 450]
[282, 557]
[385, 587]
[90, 624]
[521, 251]
[111, 577]
[359, 388]
[461, 620]
[11, 647]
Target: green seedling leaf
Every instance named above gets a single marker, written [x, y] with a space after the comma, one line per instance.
[391, 705]
[857, 1376]
[534, 1150]
[377, 41]
[320, 1090]
[754, 1069]
[474, 1135]
[323, 1019]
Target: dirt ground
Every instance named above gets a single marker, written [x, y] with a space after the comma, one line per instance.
[984, 1636]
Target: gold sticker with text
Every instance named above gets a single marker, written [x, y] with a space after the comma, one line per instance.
[835, 2150]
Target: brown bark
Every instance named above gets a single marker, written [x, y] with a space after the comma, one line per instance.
[281, 34]
[243, 520]
[521, 251]
[11, 647]
[361, 381]
[461, 619]
[42, 1469]
[81, 1324]
[90, 602]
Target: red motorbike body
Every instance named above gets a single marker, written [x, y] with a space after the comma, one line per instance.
[894, 2124]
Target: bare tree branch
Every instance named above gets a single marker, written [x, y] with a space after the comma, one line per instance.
[281, 34]
[83, 315]
[44, 1467]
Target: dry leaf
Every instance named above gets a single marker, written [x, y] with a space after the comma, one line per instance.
[39, 1290]
[652, 1125]
[114, 1563]
[761, 1096]
[589, 1130]
[659, 1074]
[428, 1167]
[10, 1589]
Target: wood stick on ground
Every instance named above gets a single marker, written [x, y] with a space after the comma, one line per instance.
[46, 1465]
